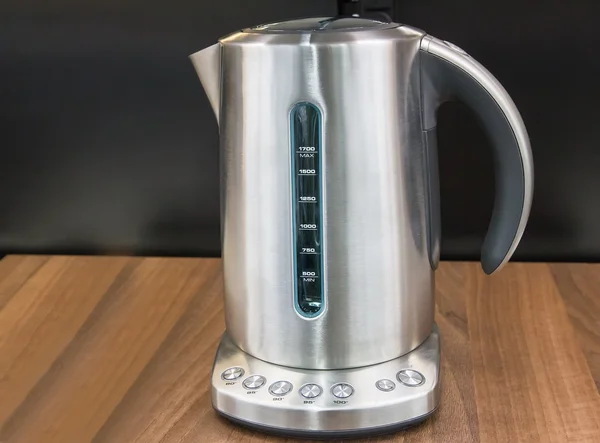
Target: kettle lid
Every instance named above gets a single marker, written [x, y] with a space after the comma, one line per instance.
[322, 24]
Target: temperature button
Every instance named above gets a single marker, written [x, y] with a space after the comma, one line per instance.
[342, 390]
[232, 373]
[410, 377]
[254, 382]
[385, 385]
[280, 388]
[311, 390]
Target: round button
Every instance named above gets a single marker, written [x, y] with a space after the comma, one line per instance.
[254, 382]
[410, 378]
[385, 385]
[342, 390]
[280, 388]
[232, 373]
[311, 390]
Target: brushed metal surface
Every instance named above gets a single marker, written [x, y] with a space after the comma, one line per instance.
[368, 407]
[378, 281]
[378, 276]
[207, 63]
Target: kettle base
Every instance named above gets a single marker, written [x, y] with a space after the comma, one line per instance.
[327, 435]
[321, 404]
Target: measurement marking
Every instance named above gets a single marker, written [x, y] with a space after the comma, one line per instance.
[309, 253]
[307, 229]
[307, 201]
[307, 152]
[307, 174]
[309, 276]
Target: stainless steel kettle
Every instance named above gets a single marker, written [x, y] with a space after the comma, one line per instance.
[329, 192]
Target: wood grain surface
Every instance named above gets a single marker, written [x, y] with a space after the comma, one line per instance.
[116, 349]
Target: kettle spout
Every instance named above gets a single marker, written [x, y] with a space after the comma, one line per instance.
[207, 63]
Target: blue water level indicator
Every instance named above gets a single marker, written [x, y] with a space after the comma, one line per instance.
[308, 211]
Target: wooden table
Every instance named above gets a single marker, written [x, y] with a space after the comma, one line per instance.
[111, 349]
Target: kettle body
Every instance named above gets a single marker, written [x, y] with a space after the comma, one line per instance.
[329, 193]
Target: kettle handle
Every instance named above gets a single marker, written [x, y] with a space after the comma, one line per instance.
[447, 72]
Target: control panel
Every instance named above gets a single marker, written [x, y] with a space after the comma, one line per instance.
[395, 391]
[306, 164]
[280, 388]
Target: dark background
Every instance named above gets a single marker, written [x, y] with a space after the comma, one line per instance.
[108, 143]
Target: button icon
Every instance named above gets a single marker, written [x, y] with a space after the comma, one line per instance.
[385, 385]
[254, 382]
[232, 373]
[311, 390]
[410, 378]
[280, 388]
[342, 390]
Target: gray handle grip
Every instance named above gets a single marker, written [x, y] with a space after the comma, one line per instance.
[449, 73]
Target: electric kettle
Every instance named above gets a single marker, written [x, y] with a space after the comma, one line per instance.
[330, 218]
